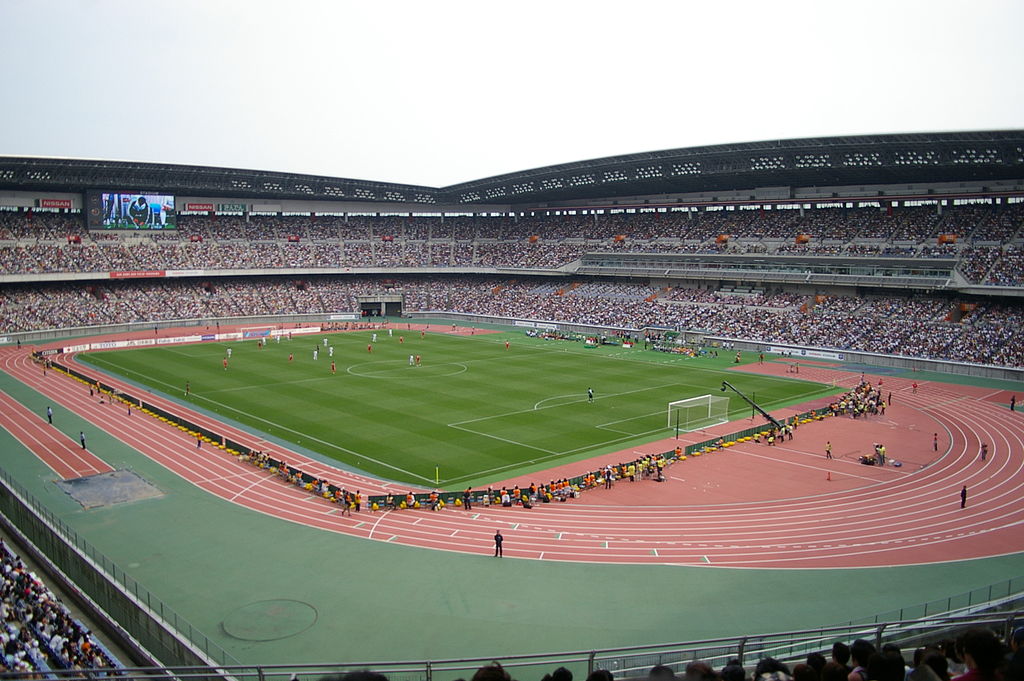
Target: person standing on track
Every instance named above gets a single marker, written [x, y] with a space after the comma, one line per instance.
[49, 415]
[81, 438]
[963, 497]
[984, 450]
[498, 541]
[935, 442]
[1013, 403]
[828, 449]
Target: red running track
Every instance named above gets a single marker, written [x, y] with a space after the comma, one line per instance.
[864, 517]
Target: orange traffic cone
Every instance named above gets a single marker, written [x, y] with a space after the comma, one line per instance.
[828, 476]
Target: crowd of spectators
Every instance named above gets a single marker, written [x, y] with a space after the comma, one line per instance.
[38, 632]
[1008, 270]
[40, 242]
[918, 327]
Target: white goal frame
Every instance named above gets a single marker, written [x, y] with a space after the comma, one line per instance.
[700, 412]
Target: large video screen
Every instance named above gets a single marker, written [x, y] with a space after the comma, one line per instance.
[137, 211]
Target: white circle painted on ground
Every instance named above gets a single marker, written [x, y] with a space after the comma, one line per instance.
[388, 368]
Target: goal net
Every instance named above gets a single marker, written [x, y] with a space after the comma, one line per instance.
[698, 412]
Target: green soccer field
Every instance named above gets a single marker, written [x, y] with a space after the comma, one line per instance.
[473, 411]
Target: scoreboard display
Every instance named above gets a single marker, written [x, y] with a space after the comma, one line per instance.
[131, 210]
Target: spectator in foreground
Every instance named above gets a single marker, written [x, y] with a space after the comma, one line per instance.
[1015, 661]
[886, 667]
[816, 661]
[491, 672]
[841, 655]
[699, 671]
[660, 672]
[733, 671]
[770, 669]
[560, 674]
[860, 652]
[601, 675]
[833, 671]
[804, 672]
[929, 665]
[982, 653]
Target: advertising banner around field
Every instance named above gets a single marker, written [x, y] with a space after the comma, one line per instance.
[5, 339]
[519, 322]
[343, 317]
[137, 274]
[199, 206]
[55, 203]
[804, 352]
[143, 342]
[546, 327]
[184, 273]
[231, 207]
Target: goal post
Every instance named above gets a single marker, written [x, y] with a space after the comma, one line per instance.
[695, 413]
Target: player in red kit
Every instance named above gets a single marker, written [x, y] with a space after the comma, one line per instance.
[225, 363]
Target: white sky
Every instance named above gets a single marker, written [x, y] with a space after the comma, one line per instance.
[439, 92]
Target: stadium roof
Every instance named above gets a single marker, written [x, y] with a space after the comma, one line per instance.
[917, 158]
